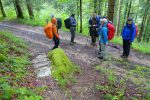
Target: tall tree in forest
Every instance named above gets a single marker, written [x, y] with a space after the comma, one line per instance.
[2, 9]
[80, 16]
[77, 13]
[110, 13]
[118, 17]
[129, 9]
[99, 7]
[30, 10]
[95, 6]
[18, 9]
[146, 11]
[125, 13]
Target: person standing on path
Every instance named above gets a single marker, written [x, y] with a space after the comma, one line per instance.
[93, 26]
[72, 28]
[128, 35]
[103, 31]
[55, 32]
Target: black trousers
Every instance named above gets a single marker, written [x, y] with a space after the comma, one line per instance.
[93, 38]
[126, 47]
[72, 30]
[56, 42]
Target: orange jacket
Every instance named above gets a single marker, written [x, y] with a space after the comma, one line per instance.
[54, 27]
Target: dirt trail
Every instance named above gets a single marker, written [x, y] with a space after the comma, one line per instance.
[85, 56]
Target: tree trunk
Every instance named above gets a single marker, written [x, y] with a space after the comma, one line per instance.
[30, 10]
[144, 20]
[118, 18]
[130, 5]
[124, 19]
[111, 4]
[137, 13]
[77, 14]
[2, 9]
[95, 6]
[99, 7]
[80, 16]
[18, 9]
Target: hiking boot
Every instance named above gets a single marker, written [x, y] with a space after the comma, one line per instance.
[93, 44]
[123, 56]
[71, 43]
[100, 57]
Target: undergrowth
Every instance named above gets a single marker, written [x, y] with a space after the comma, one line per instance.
[14, 60]
[114, 87]
[63, 70]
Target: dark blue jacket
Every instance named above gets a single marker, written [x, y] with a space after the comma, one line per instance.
[129, 32]
[72, 21]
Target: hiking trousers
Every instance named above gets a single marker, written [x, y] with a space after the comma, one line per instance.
[103, 51]
[72, 30]
[126, 47]
[56, 42]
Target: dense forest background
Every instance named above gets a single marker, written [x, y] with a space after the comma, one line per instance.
[37, 11]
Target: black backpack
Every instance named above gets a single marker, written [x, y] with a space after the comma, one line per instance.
[59, 23]
[67, 23]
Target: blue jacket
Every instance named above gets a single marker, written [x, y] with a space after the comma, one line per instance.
[72, 21]
[97, 21]
[129, 32]
[103, 34]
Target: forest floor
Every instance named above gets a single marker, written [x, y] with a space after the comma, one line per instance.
[135, 70]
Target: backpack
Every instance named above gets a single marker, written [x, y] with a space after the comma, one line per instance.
[48, 29]
[136, 30]
[111, 31]
[59, 23]
[67, 23]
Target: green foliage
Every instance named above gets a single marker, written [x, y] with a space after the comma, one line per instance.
[142, 47]
[14, 59]
[63, 69]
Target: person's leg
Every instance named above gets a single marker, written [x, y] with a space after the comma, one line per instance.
[55, 41]
[100, 50]
[72, 30]
[103, 50]
[128, 48]
[124, 48]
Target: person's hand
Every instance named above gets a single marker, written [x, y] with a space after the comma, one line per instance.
[106, 44]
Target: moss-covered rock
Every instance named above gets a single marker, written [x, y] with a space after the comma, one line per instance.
[62, 68]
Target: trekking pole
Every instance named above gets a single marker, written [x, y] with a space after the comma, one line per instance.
[87, 38]
[47, 21]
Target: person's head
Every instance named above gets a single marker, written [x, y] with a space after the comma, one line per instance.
[129, 20]
[51, 16]
[94, 15]
[72, 15]
[54, 21]
[103, 21]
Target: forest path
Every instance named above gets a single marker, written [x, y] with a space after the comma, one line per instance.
[81, 54]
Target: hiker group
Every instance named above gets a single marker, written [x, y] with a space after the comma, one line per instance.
[99, 28]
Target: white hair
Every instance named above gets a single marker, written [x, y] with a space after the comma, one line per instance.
[103, 20]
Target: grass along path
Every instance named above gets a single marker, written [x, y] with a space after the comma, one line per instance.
[16, 82]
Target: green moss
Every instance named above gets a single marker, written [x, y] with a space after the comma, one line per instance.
[2, 58]
[62, 68]
[14, 59]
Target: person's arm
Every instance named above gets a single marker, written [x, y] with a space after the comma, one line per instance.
[133, 34]
[105, 36]
[55, 31]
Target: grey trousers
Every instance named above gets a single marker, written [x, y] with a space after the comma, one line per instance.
[72, 30]
[103, 50]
